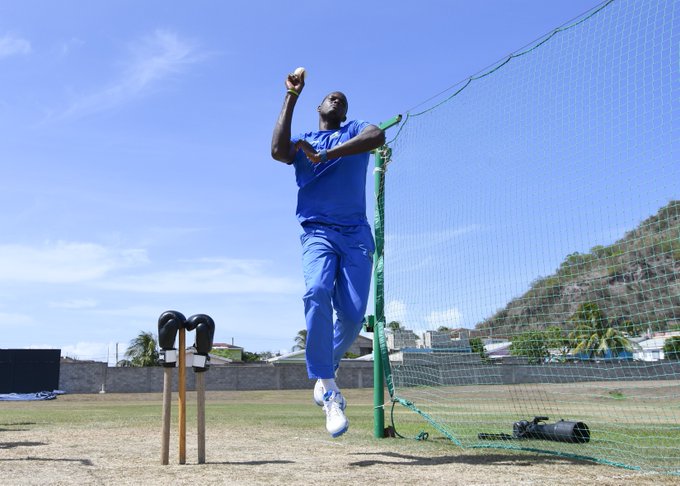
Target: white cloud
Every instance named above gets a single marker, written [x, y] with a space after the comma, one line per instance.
[395, 310]
[158, 56]
[218, 276]
[64, 262]
[12, 319]
[153, 59]
[65, 47]
[87, 351]
[448, 317]
[74, 304]
[13, 46]
[74, 262]
[131, 313]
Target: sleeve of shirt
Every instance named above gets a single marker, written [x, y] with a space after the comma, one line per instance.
[293, 140]
[357, 126]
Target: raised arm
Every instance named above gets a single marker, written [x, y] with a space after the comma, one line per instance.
[282, 149]
[370, 138]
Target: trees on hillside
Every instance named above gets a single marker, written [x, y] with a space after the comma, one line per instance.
[530, 344]
[477, 347]
[593, 336]
[671, 348]
[628, 279]
[556, 339]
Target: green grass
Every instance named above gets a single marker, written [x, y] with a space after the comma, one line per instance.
[290, 413]
[290, 410]
[639, 434]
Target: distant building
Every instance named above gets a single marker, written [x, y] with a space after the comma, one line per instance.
[229, 351]
[215, 359]
[362, 346]
[442, 341]
[437, 339]
[402, 338]
[651, 348]
[498, 349]
[293, 357]
[465, 333]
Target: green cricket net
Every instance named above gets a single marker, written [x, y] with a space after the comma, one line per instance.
[531, 263]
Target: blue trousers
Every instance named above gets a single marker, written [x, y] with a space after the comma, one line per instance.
[337, 262]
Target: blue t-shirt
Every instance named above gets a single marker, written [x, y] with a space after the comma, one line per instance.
[332, 192]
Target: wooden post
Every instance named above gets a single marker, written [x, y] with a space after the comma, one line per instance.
[182, 385]
[200, 415]
[167, 403]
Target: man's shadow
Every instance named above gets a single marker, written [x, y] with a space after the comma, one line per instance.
[2, 429]
[12, 445]
[251, 463]
[394, 458]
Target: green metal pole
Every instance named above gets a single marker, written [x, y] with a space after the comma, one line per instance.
[378, 289]
[378, 384]
[378, 320]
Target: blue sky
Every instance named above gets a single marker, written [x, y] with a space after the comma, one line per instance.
[135, 173]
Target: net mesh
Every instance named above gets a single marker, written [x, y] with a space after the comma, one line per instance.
[532, 247]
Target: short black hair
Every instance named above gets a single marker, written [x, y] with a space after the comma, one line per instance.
[337, 92]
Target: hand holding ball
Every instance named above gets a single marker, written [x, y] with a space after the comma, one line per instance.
[296, 81]
[300, 73]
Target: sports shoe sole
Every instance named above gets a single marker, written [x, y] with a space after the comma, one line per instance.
[340, 432]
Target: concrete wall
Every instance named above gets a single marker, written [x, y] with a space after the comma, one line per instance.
[90, 377]
[518, 373]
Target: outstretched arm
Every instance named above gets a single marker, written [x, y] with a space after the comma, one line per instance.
[282, 149]
[370, 138]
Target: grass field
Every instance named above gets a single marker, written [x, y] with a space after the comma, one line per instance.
[256, 438]
[633, 423]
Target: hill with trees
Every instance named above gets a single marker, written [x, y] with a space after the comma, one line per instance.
[634, 284]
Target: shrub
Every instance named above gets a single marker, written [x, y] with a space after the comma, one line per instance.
[671, 348]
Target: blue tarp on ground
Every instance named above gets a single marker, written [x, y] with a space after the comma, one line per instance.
[43, 395]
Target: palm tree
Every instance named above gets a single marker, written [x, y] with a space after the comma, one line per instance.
[394, 325]
[593, 336]
[556, 339]
[143, 350]
[300, 340]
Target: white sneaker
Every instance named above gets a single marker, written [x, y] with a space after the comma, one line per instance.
[336, 422]
[320, 391]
